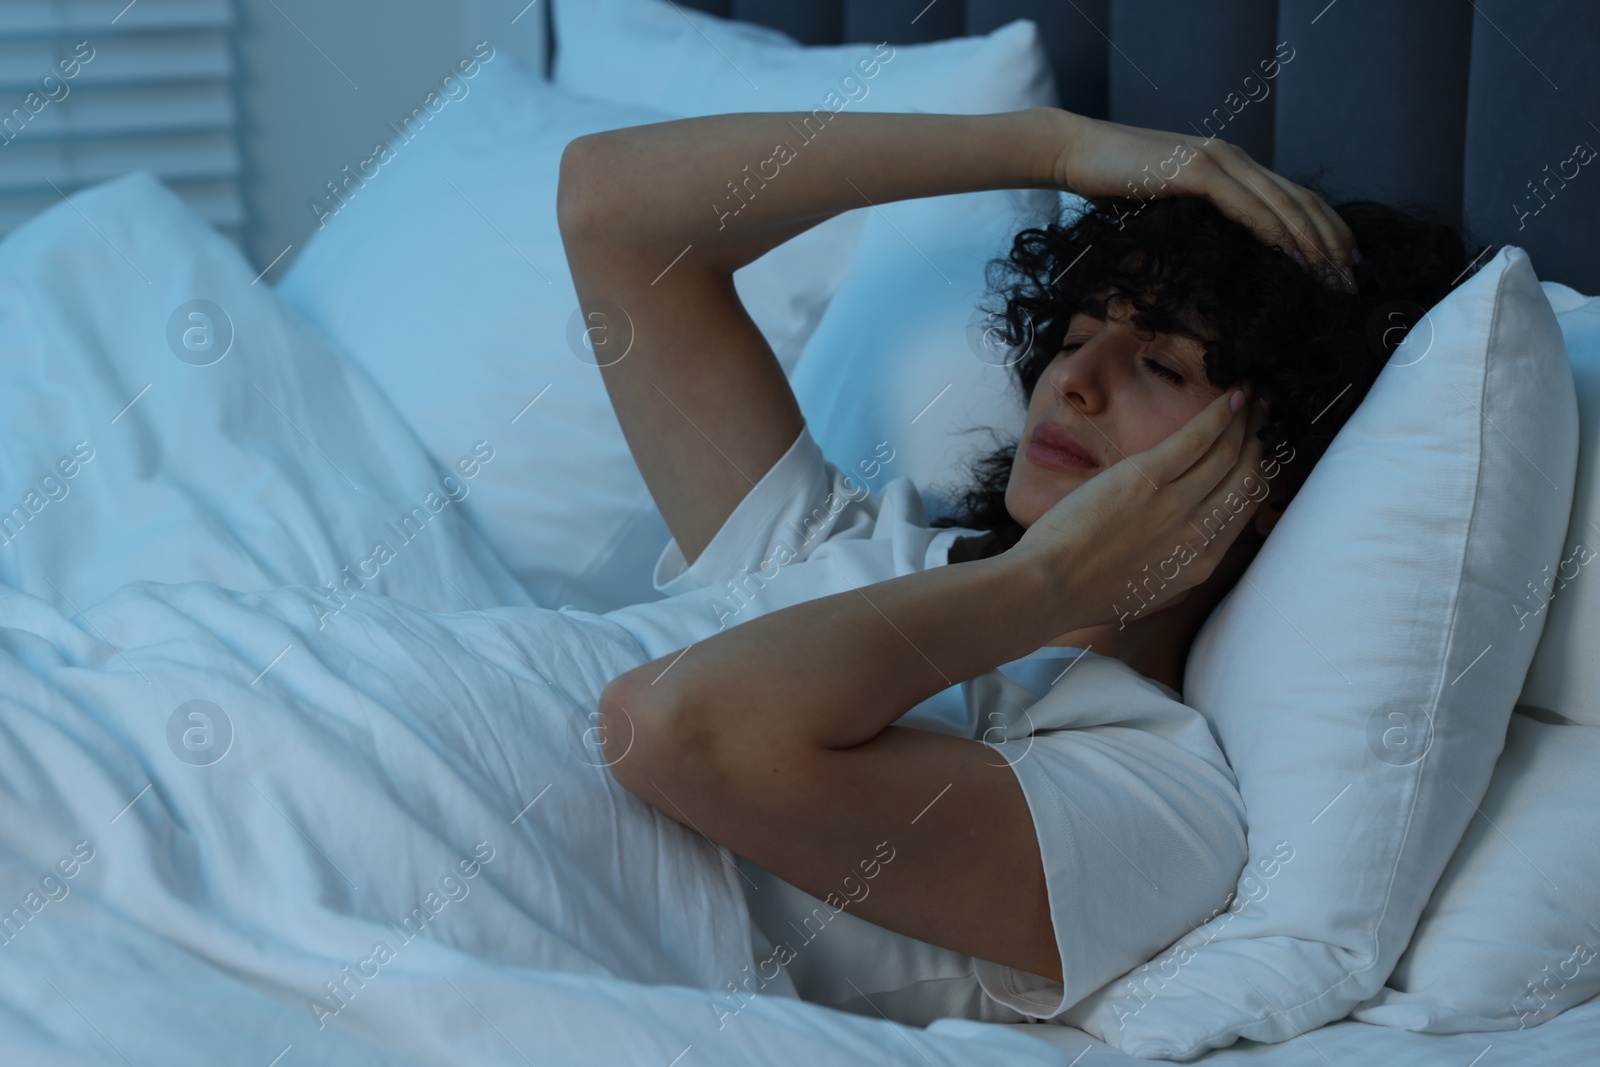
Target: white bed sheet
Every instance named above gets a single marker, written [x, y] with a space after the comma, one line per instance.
[368, 758]
[1568, 1040]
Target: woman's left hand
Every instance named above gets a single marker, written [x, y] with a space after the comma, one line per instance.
[1102, 158]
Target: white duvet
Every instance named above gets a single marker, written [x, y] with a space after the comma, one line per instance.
[400, 794]
[406, 850]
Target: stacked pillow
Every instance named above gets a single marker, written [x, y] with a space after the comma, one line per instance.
[446, 279]
[1509, 939]
[1564, 679]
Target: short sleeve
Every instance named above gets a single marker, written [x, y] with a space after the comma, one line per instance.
[805, 530]
[1139, 822]
[801, 502]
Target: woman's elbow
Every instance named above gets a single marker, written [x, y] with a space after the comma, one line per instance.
[576, 184]
[646, 736]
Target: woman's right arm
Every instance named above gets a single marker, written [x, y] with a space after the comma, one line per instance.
[653, 233]
[656, 219]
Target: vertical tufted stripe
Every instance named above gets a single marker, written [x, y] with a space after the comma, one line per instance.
[1535, 98]
[907, 21]
[1376, 94]
[812, 22]
[1195, 69]
[1074, 36]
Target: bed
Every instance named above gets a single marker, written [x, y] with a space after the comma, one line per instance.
[234, 832]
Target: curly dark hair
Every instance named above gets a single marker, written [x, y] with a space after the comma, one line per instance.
[1310, 351]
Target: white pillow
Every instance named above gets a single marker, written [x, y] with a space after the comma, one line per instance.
[1565, 676]
[691, 63]
[1360, 676]
[1509, 938]
[901, 354]
[445, 277]
[167, 420]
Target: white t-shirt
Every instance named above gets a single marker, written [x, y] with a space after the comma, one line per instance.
[1137, 813]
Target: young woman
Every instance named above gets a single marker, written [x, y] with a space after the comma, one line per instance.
[1189, 350]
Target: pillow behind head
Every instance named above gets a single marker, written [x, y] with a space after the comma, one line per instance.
[901, 356]
[1360, 675]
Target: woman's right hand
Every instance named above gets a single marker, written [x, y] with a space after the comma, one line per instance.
[1139, 511]
[1101, 158]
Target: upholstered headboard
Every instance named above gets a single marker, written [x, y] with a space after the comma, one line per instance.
[1486, 110]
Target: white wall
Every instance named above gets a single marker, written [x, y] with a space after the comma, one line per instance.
[320, 80]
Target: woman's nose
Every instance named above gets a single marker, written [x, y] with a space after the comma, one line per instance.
[1078, 377]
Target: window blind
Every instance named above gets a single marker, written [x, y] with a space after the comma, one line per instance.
[90, 89]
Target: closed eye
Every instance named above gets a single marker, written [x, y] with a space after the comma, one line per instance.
[1163, 371]
[1159, 369]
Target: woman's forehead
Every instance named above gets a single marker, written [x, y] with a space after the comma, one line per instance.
[1110, 305]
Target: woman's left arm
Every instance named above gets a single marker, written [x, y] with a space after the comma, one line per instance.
[773, 737]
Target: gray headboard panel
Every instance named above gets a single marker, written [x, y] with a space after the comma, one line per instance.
[1485, 110]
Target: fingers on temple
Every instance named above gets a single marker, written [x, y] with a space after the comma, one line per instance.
[1241, 489]
[1187, 447]
[1216, 466]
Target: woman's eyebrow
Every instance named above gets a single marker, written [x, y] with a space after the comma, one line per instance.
[1098, 307]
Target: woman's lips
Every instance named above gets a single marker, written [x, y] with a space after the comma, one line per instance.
[1053, 446]
[1044, 455]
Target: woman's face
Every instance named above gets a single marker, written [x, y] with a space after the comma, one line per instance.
[1109, 392]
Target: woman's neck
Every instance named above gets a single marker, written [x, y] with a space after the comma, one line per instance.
[1156, 645]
